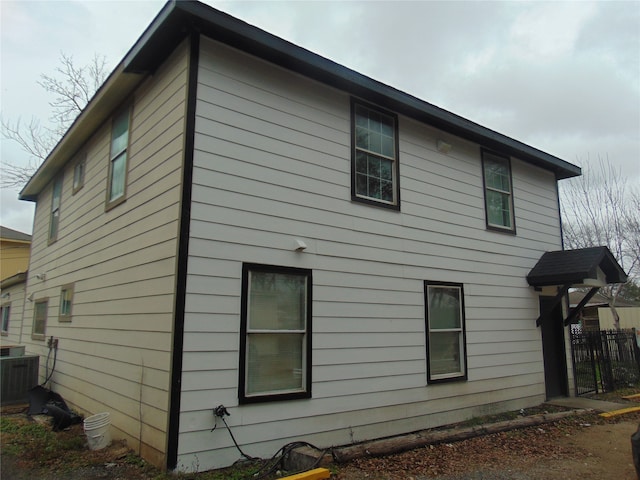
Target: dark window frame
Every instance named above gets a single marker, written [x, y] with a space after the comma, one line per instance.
[307, 354]
[446, 378]
[489, 225]
[395, 205]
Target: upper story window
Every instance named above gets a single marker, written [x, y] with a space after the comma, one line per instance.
[118, 159]
[374, 162]
[54, 219]
[275, 351]
[498, 192]
[446, 344]
[78, 173]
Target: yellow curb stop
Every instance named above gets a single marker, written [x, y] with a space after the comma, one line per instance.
[316, 474]
[635, 396]
[622, 411]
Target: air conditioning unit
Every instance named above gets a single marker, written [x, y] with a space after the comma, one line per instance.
[18, 375]
[12, 351]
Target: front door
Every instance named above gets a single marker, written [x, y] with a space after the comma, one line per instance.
[553, 350]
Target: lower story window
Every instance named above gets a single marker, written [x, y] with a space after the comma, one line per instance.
[446, 346]
[275, 350]
[5, 311]
[40, 319]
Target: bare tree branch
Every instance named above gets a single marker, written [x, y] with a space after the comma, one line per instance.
[601, 208]
[72, 87]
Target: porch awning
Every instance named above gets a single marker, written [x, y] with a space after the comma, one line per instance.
[592, 267]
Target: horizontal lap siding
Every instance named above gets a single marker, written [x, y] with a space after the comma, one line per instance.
[114, 355]
[272, 163]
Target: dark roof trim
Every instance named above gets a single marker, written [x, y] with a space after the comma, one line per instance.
[178, 19]
[572, 267]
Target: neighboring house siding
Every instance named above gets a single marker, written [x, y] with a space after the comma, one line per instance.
[629, 317]
[14, 299]
[272, 163]
[115, 347]
[14, 257]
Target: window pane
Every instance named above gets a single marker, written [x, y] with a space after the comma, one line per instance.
[497, 175]
[120, 134]
[65, 302]
[277, 301]
[5, 318]
[39, 318]
[78, 175]
[498, 208]
[275, 363]
[53, 224]
[444, 308]
[118, 176]
[445, 353]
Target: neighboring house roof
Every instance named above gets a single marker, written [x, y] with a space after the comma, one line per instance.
[573, 267]
[14, 235]
[178, 19]
[13, 280]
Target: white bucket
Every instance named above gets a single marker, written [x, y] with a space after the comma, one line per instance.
[96, 428]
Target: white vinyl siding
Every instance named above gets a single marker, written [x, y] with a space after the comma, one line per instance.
[122, 265]
[272, 164]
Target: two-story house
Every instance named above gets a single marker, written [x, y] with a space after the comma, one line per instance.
[234, 220]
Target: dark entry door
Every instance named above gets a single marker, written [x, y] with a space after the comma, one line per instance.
[555, 363]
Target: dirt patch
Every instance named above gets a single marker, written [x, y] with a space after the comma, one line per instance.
[580, 448]
[585, 447]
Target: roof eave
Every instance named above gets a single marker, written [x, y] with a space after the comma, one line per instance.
[178, 18]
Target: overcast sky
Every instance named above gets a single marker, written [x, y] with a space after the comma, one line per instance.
[563, 77]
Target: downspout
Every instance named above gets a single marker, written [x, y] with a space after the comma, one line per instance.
[183, 255]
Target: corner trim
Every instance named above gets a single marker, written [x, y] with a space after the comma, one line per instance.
[183, 256]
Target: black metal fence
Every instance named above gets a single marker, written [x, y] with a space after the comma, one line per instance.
[605, 360]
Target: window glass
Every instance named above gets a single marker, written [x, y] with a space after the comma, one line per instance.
[118, 164]
[275, 326]
[78, 175]
[54, 219]
[445, 332]
[375, 156]
[6, 309]
[66, 300]
[498, 192]
[40, 317]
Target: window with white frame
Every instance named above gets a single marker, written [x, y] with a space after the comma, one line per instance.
[54, 219]
[498, 192]
[66, 301]
[40, 308]
[275, 352]
[5, 313]
[446, 345]
[374, 169]
[118, 158]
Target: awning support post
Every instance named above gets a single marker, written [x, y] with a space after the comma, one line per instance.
[561, 293]
[578, 308]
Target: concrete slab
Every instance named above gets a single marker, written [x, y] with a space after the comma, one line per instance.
[587, 403]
